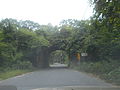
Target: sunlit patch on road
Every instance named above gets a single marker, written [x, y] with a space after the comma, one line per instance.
[58, 65]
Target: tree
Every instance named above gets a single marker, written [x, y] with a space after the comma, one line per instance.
[19, 44]
[105, 23]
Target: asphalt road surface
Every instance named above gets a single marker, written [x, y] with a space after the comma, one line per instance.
[53, 77]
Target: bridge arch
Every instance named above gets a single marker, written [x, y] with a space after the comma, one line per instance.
[58, 56]
[43, 56]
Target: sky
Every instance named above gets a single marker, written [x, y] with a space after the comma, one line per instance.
[45, 11]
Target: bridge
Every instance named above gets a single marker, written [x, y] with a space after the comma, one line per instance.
[43, 56]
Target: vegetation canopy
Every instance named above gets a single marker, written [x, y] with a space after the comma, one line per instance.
[26, 44]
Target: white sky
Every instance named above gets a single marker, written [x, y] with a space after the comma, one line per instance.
[45, 11]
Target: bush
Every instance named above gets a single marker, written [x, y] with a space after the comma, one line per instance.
[1, 69]
[107, 70]
[23, 65]
[113, 76]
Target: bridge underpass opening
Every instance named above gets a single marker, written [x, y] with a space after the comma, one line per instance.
[58, 57]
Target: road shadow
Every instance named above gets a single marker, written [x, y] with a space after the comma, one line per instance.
[58, 67]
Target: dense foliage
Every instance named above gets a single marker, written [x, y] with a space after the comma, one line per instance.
[102, 42]
[18, 43]
[106, 28]
[22, 41]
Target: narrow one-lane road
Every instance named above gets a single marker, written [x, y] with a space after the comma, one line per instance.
[54, 77]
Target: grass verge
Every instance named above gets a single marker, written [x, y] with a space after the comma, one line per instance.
[108, 71]
[12, 73]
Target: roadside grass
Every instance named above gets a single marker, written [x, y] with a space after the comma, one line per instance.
[108, 71]
[16, 69]
[11, 73]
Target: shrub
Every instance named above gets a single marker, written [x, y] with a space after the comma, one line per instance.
[114, 76]
[107, 70]
[23, 65]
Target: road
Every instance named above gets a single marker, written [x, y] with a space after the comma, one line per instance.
[53, 77]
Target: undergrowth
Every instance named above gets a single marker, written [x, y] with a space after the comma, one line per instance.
[106, 70]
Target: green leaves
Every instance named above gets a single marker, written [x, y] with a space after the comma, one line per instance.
[18, 40]
[105, 28]
[99, 36]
